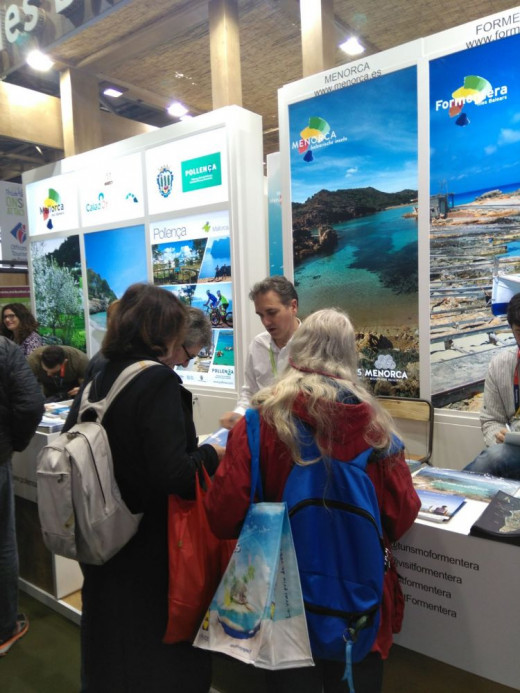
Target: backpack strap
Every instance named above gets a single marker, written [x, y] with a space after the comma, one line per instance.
[101, 407]
[253, 438]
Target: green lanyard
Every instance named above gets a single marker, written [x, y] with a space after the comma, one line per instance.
[273, 362]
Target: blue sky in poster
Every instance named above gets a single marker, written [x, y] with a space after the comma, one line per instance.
[486, 152]
[375, 143]
[119, 256]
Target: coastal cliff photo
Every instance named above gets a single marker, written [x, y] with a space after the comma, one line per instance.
[354, 219]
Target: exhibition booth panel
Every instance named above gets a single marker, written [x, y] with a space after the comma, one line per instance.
[45, 576]
[182, 207]
[400, 188]
[461, 597]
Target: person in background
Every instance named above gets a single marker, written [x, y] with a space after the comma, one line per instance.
[21, 409]
[321, 388]
[276, 304]
[19, 324]
[501, 408]
[198, 336]
[155, 453]
[60, 370]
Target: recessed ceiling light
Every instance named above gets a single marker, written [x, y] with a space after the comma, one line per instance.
[352, 46]
[39, 61]
[177, 109]
[112, 91]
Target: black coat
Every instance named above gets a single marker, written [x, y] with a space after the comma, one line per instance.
[21, 400]
[154, 448]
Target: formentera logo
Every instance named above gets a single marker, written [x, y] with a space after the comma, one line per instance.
[165, 180]
[318, 133]
[52, 207]
[474, 90]
[384, 369]
[201, 172]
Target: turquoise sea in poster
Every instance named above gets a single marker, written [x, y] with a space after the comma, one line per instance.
[368, 141]
[224, 354]
[350, 277]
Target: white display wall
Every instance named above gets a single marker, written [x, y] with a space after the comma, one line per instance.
[182, 207]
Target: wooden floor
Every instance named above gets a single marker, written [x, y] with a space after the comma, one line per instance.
[47, 660]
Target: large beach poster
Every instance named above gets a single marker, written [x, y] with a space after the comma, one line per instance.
[354, 181]
[114, 259]
[474, 214]
[58, 293]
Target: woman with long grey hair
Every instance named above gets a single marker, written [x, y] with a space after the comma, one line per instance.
[321, 390]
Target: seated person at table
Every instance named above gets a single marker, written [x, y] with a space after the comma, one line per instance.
[59, 370]
[501, 407]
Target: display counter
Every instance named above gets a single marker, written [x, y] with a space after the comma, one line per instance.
[43, 575]
[461, 597]
[461, 592]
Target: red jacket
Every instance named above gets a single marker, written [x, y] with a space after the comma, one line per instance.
[228, 498]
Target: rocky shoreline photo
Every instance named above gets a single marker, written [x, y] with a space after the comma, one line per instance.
[468, 245]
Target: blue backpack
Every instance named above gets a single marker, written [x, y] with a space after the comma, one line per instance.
[337, 534]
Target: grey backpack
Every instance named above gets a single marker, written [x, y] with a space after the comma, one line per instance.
[82, 514]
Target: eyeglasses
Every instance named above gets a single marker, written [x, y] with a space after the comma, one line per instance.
[9, 316]
[188, 355]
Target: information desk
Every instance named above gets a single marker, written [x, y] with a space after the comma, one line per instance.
[462, 597]
[43, 575]
[461, 592]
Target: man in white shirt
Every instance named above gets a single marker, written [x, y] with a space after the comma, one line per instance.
[276, 304]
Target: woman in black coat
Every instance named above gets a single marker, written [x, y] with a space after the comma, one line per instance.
[155, 453]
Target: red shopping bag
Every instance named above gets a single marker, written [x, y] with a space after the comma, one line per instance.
[197, 560]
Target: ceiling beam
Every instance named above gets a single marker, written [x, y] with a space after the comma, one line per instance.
[163, 30]
[29, 116]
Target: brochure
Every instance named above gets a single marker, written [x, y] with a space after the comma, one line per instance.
[50, 424]
[439, 507]
[500, 520]
[481, 487]
[218, 437]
